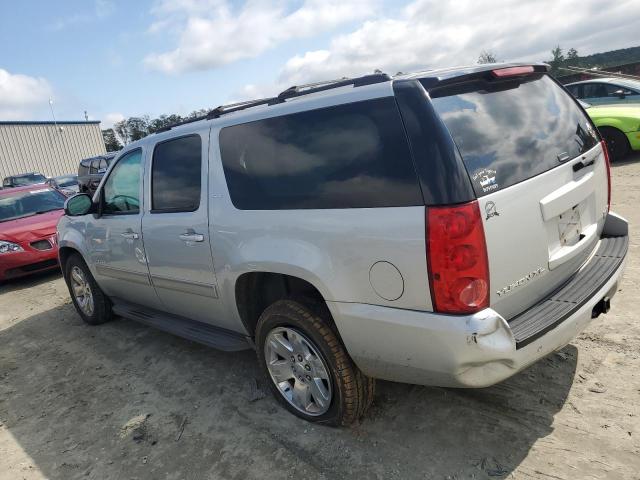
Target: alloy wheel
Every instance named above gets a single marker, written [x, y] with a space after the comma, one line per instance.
[298, 370]
[82, 291]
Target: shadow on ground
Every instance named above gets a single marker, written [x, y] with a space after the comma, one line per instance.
[67, 390]
[30, 281]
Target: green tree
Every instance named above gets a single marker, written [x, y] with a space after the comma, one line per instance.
[572, 54]
[138, 127]
[132, 129]
[163, 121]
[198, 113]
[557, 60]
[122, 131]
[487, 57]
[111, 140]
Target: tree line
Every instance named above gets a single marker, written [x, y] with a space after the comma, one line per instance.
[134, 128]
[557, 61]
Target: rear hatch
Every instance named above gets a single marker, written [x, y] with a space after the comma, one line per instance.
[540, 176]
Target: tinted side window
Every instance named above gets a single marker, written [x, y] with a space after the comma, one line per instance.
[176, 175]
[598, 90]
[121, 192]
[102, 166]
[574, 90]
[94, 166]
[348, 156]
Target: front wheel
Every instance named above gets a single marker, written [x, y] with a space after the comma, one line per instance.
[90, 302]
[307, 367]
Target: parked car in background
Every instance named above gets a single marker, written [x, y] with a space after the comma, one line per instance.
[28, 218]
[606, 91]
[91, 170]
[67, 184]
[619, 126]
[363, 228]
[23, 179]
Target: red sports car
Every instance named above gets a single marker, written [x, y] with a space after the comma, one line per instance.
[28, 219]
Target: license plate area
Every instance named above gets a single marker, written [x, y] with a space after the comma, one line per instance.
[570, 227]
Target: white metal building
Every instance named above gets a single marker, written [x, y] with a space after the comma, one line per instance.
[47, 147]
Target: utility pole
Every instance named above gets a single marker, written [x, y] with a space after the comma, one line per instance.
[53, 114]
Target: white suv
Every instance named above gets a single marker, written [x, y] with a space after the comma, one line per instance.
[443, 228]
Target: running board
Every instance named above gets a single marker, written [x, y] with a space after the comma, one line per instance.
[212, 336]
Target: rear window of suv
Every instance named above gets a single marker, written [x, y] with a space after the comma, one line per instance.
[348, 156]
[511, 131]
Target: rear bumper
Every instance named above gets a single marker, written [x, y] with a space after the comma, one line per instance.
[465, 351]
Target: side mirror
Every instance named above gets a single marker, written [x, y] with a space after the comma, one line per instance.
[78, 205]
[620, 93]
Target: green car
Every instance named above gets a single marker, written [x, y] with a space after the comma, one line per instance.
[619, 126]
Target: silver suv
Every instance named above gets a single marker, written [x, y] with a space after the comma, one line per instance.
[443, 228]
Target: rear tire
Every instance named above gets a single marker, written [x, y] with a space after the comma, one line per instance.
[616, 141]
[91, 303]
[307, 367]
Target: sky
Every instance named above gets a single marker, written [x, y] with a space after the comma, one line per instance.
[115, 59]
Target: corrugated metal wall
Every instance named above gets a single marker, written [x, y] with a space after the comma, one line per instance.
[47, 149]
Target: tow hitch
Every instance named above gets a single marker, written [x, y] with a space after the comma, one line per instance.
[603, 306]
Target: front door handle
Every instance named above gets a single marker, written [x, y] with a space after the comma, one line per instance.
[191, 236]
[130, 235]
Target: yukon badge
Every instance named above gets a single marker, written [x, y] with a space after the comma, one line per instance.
[523, 281]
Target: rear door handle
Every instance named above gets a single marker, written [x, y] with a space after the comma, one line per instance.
[191, 236]
[130, 235]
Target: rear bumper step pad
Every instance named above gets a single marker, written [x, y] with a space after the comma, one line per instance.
[550, 312]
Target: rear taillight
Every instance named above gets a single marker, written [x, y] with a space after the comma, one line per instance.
[607, 162]
[512, 71]
[457, 259]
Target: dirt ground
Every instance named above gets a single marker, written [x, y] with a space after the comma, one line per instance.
[124, 401]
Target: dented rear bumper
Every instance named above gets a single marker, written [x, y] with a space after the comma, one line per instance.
[482, 349]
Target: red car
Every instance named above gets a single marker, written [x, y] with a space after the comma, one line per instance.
[28, 219]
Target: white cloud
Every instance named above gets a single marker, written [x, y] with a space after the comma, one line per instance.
[21, 96]
[110, 119]
[213, 33]
[432, 33]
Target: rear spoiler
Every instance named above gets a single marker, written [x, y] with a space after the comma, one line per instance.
[489, 71]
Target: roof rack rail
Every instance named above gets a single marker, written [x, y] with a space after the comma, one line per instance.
[166, 128]
[234, 107]
[291, 92]
[299, 90]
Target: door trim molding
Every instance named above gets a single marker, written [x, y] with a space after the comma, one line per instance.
[185, 286]
[123, 274]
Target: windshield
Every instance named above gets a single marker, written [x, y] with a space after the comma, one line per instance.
[28, 179]
[513, 131]
[30, 202]
[69, 181]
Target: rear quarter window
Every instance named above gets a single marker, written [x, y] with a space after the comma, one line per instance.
[348, 156]
[511, 132]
